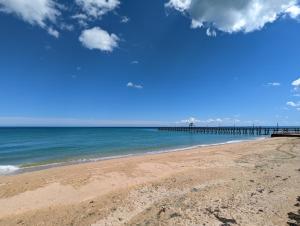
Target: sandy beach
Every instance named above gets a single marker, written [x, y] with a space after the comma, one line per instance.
[248, 183]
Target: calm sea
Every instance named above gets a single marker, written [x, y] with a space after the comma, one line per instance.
[34, 147]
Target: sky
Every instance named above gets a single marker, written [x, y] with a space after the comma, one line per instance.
[149, 63]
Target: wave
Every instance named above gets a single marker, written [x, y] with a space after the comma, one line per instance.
[7, 169]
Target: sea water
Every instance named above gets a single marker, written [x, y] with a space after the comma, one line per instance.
[22, 148]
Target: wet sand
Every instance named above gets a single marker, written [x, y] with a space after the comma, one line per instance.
[249, 183]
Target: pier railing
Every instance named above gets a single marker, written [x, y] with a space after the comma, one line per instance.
[255, 131]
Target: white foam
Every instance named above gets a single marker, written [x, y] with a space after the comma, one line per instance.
[102, 158]
[8, 169]
[234, 141]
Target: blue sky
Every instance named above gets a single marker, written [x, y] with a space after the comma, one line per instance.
[115, 62]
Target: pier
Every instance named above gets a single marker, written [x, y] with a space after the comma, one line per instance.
[254, 131]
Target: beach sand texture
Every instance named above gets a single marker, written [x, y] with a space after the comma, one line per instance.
[248, 183]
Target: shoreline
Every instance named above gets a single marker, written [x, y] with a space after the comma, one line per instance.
[250, 183]
[17, 169]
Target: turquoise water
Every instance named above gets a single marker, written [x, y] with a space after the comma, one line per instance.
[28, 147]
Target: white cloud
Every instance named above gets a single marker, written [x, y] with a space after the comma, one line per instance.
[125, 19]
[294, 11]
[67, 27]
[35, 12]
[196, 24]
[273, 84]
[180, 5]
[132, 85]
[96, 38]
[234, 15]
[296, 83]
[211, 121]
[134, 62]
[211, 32]
[217, 120]
[81, 19]
[293, 104]
[296, 87]
[190, 120]
[97, 8]
[80, 16]
[53, 32]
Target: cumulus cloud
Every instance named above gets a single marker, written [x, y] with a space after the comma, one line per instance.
[97, 38]
[35, 12]
[97, 8]
[234, 15]
[132, 85]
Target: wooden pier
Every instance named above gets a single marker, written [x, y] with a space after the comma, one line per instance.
[254, 131]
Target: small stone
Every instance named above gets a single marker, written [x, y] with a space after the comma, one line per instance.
[175, 215]
[162, 210]
[195, 190]
[260, 190]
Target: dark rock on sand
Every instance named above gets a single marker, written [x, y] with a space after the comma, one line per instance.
[175, 215]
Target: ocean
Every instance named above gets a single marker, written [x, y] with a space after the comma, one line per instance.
[29, 148]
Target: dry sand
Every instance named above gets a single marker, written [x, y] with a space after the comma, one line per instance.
[249, 183]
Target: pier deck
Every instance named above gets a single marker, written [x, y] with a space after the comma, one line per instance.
[255, 131]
